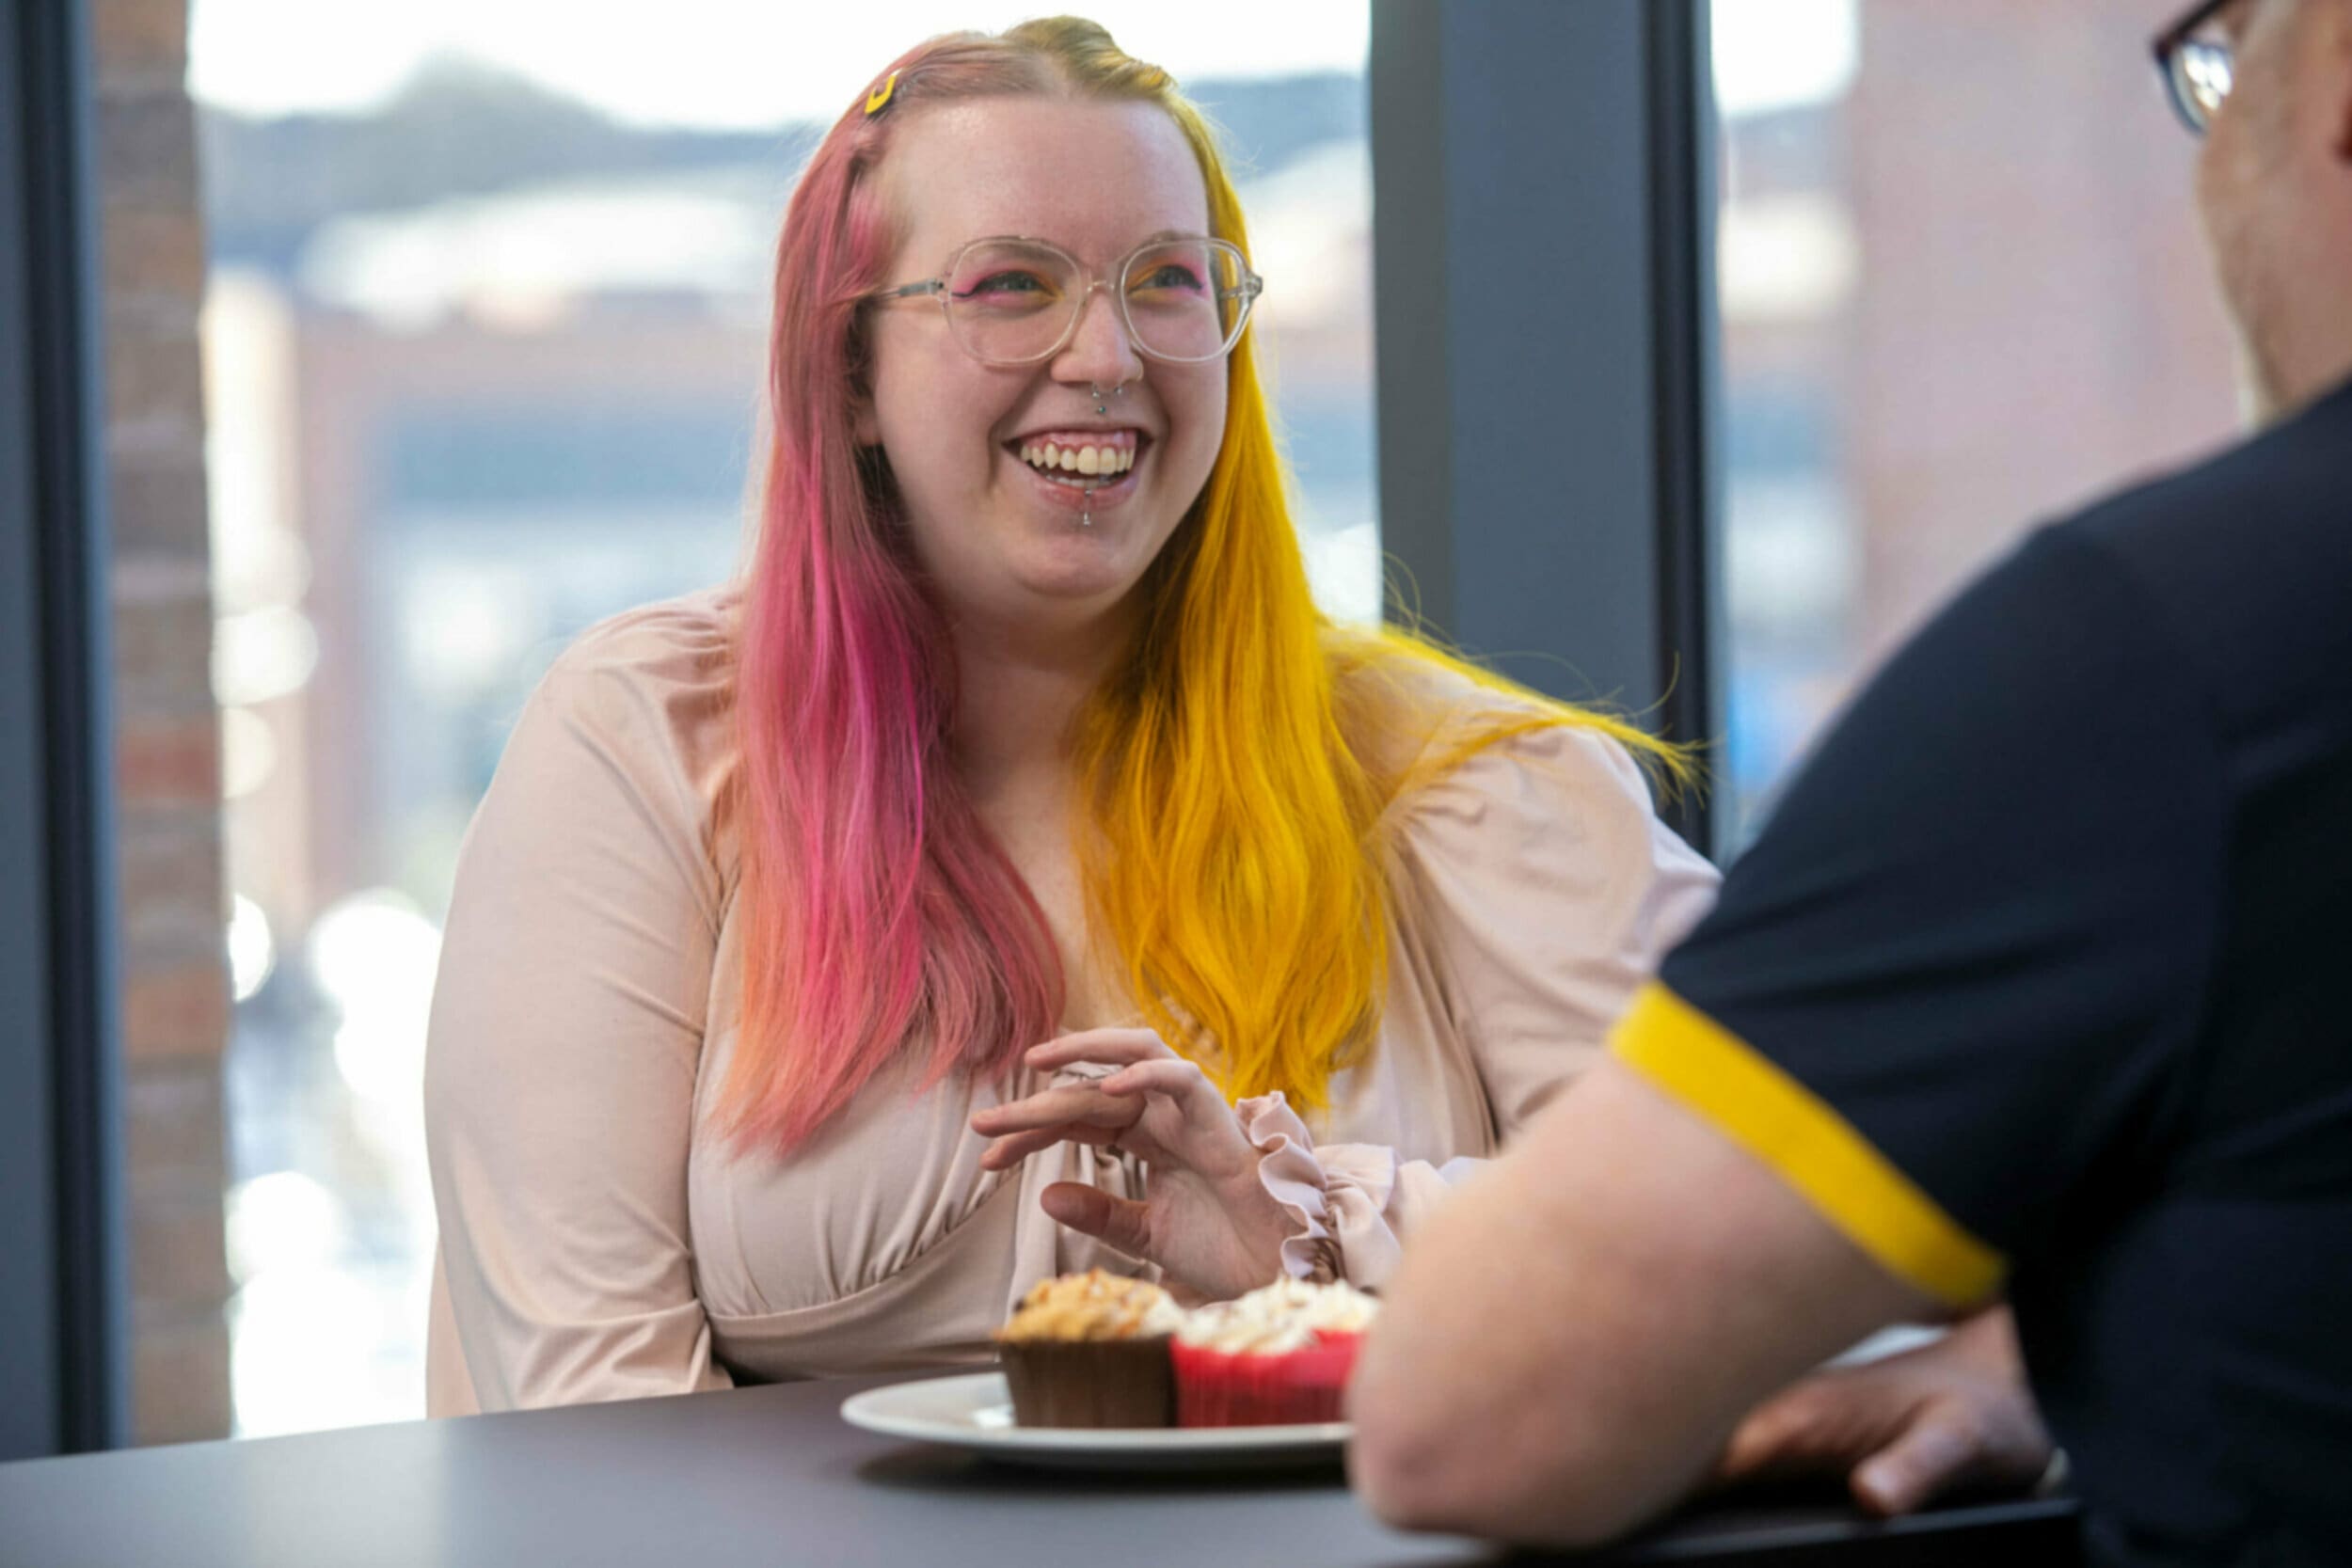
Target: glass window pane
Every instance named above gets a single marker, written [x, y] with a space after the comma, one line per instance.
[485, 331]
[1962, 291]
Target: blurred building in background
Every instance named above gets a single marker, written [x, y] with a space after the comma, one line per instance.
[1963, 291]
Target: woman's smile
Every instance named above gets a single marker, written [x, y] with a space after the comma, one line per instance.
[1089, 471]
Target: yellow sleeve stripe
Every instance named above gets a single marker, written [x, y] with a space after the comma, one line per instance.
[1693, 1059]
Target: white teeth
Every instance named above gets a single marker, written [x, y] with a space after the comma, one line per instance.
[1079, 460]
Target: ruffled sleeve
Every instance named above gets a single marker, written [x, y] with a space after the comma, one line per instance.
[1544, 881]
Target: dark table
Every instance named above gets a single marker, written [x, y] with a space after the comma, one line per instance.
[774, 1475]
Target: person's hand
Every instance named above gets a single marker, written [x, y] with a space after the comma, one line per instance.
[1904, 1431]
[1205, 1218]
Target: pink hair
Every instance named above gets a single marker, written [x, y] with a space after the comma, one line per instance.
[879, 911]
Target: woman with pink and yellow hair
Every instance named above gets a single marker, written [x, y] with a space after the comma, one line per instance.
[835, 948]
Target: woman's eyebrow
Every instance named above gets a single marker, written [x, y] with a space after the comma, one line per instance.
[1148, 239]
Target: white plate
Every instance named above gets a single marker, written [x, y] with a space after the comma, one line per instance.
[975, 1412]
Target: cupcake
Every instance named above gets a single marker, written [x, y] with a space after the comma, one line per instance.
[1090, 1350]
[1275, 1356]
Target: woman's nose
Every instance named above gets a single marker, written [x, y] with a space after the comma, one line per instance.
[1099, 351]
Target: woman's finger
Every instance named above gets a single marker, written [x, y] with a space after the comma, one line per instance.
[1202, 1134]
[1121, 1221]
[1047, 1107]
[1203, 1106]
[1118, 1047]
[1006, 1152]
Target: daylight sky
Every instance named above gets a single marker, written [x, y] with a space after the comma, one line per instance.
[749, 63]
[729, 63]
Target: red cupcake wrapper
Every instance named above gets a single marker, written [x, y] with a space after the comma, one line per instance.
[1216, 1388]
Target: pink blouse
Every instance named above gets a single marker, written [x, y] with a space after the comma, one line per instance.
[598, 1241]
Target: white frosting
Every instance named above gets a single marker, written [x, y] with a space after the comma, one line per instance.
[1164, 1317]
[1284, 1315]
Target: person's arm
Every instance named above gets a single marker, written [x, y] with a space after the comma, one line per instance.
[560, 1064]
[1571, 1342]
[1947, 994]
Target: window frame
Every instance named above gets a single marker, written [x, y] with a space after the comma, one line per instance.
[1538, 292]
[62, 1280]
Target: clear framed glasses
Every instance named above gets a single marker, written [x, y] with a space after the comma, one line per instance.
[1013, 301]
[2198, 63]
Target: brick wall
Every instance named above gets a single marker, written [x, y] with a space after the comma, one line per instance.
[175, 1003]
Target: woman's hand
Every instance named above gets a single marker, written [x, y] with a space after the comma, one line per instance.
[1907, 1430]
[1205, 1218]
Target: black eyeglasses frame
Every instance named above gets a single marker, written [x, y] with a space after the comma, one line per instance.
[2168, 45]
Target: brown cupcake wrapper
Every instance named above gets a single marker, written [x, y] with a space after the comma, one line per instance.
[1090, 1383]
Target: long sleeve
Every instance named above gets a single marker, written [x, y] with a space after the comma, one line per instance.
[1550, 890]
[567, 1028]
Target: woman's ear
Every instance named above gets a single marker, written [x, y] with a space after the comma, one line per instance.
[861, 367]
[865, 424]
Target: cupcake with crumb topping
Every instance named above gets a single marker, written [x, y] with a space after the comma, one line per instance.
[1276, 1356]
[1091, 1350]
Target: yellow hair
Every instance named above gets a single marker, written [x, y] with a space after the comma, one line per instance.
[1238, 770]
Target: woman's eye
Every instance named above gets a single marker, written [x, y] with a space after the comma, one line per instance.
[1169, 276]
[998, 285]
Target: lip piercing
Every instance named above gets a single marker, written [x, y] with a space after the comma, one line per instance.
[1102, 406]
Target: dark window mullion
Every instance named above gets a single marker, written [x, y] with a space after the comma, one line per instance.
[1542, 253]
[64, 1291]
[1681, 159]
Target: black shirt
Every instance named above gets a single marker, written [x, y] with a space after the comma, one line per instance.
[2041, 976]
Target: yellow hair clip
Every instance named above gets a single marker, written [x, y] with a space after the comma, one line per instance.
[879, 98]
